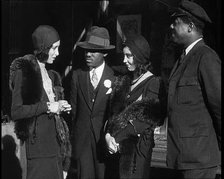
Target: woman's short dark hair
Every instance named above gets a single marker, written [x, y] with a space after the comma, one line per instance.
[43, 55]
[143, 68]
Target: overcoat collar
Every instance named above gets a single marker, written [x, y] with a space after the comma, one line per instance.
[177, 70]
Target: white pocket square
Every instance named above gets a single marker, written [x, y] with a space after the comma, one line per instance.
[109, 91]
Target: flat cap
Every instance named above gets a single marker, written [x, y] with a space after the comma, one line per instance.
[187, 8]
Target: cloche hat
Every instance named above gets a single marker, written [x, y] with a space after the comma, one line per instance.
[43, 37]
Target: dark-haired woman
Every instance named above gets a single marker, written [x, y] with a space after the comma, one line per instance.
[37, 104]
[137, 101]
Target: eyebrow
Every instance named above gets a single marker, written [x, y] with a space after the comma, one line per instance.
[55, 46]
[128, 55]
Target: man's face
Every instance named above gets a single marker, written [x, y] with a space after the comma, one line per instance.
[94, 58]
[179, 31]
[53, 52]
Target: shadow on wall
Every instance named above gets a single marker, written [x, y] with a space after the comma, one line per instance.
[11, 168]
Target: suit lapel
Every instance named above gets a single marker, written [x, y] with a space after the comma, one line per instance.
[177, 70]
[107, 75]
[84, 85]
[173, 70]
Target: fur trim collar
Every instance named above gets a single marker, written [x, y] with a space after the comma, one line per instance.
[31, 78]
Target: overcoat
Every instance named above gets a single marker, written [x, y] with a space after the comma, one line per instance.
[134, 114]
[32, 122]
[194, 110]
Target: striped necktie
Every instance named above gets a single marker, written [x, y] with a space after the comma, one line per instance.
[94, 79]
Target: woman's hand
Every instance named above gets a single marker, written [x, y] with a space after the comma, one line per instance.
[111, 144]
[59, 106]
[64, 106]
[53, 107]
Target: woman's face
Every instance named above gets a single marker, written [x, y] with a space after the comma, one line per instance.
[129, 59]
[53, 52]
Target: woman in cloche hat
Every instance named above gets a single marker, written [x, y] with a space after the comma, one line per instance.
[37, 102]
[135, 111]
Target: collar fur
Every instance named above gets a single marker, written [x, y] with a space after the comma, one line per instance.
[31, 89]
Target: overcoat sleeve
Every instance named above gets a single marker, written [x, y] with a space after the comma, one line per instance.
[210, 79]
[18, 109]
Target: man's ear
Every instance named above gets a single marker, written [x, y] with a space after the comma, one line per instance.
[191, 26]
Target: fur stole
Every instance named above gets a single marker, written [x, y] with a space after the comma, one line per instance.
[31, 80]
[146, 110]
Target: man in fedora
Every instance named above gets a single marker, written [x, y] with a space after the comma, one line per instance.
[90, 91]
[194, 98]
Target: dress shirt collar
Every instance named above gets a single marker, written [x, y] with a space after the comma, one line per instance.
[191, 46]
[98, 70]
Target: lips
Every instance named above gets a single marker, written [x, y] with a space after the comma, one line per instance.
[88, 60]
[127, 65]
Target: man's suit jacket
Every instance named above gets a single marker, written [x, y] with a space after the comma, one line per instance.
[88, 116]
[194, 110]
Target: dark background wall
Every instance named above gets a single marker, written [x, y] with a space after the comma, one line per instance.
[19, 18]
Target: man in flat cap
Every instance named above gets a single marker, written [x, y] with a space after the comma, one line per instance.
[194, 98]
[90, 91]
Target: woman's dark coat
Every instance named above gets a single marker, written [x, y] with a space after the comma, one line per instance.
[33, 124]
[132, 123]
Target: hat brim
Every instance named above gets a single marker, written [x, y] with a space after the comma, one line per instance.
[177, 12]
[90, 46]
[175, 15]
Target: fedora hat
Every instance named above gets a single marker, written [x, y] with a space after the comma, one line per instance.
[97, 38]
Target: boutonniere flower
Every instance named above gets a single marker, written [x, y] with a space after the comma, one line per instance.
[107, 84]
